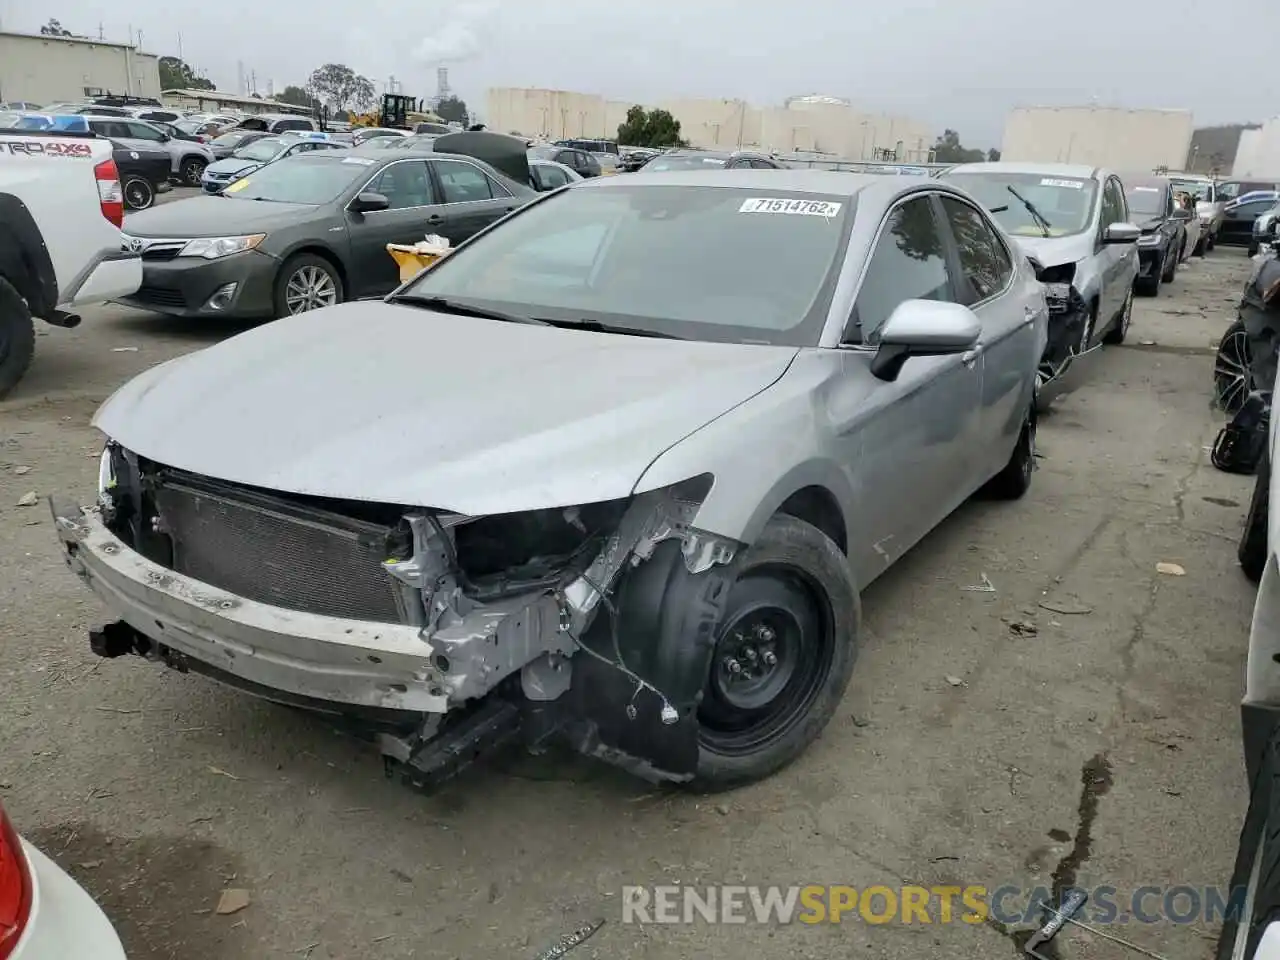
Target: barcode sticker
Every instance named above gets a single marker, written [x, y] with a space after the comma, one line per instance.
[800, 208]
[1069, 184]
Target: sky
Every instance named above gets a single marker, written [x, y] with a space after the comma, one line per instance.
[962, 64]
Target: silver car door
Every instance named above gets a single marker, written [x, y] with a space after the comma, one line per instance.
[993, 287]
[906, 443]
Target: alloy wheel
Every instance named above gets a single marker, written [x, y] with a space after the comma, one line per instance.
[310, 288]
[1232, 378]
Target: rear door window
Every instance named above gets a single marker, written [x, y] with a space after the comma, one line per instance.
[460, 182]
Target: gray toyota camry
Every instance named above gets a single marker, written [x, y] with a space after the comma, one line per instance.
[309, 231]
[616, 469]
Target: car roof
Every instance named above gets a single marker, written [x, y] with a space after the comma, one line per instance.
[818, 182]
[1146, 180]
[1078, 171]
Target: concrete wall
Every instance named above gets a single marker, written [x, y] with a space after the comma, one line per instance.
[1125, 140]
[1258, 154]
[48, 69]
[830, 128]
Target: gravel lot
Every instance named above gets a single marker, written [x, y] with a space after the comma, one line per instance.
[158, 790]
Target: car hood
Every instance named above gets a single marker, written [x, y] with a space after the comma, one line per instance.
[220, 216]
[232, 165]
[1052, 251]
[396, 404]
[1148, 224]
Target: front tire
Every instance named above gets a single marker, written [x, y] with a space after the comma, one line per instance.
[1252, 250]
[306, 282]
[1252, 551]
[17, 337]
[784, 654]
[1202, 246]
[1172, 268]
[191, 171]
[138, 193]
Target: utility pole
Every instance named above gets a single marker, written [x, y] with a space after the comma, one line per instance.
[180, 46]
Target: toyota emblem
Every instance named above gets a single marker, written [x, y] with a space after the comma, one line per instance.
[136, 245]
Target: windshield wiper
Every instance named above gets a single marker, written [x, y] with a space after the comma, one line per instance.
[598, 327]
[1036, 215]
[447, 305]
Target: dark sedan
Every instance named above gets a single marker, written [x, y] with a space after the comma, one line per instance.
[1238, 217]
[1164, 233]
[309, 231]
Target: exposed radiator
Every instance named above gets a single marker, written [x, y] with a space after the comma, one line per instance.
[277, 552]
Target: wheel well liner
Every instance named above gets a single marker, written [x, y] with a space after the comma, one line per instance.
[817, 506]
[24, 258]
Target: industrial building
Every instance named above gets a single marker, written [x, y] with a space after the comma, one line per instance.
[812, 124]
[1132, 141]
[214, 101]
[46, 69]
[1258, 153]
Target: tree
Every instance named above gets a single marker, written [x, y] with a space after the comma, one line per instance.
[453, 110]
[650, 128]
[993, 155]
[177, 74]
[949, 150]
[296, 96]
[55, 29]
[340, 87]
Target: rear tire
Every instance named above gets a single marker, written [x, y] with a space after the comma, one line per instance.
[1252, 551]
[1252, 250]
[1202, 246]
[1120, 329]
[793, 609]
[1014, 479]
[17, 337]
[138, 193]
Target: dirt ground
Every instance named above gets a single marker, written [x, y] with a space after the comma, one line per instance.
[1102, 747]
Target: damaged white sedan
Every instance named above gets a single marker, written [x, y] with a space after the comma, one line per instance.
[616, 470]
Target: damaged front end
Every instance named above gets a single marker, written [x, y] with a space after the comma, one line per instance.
[440, 635]
[1069, 315]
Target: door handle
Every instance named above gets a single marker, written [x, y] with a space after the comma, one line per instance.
[435, 218]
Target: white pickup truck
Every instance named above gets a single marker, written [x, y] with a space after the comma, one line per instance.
[61, 207]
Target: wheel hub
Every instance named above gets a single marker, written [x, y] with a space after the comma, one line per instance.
[754, 659]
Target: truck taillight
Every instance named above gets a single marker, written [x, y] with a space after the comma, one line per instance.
[110, 195]
[15, 888]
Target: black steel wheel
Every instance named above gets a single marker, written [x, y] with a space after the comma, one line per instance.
[138, 193]
[783, 655]
[1232, 372]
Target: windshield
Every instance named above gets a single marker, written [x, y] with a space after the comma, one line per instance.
[229, 139]
[685, 162]
[1199, 189]
[1065, 203]
[306, 178]
[671, 260]
[1145, 201]
[261, 150]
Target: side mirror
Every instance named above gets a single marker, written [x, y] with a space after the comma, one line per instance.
[923, 328]
[1121, 233]
[369, 201]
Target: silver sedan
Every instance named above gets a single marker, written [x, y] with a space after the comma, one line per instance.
[616, 468]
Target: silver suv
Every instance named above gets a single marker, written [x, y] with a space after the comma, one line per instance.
[189, 157]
